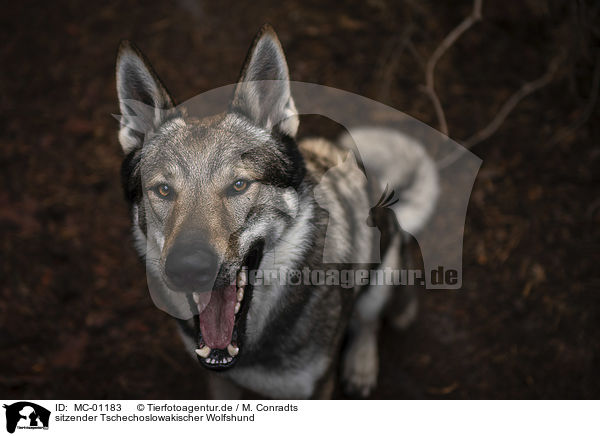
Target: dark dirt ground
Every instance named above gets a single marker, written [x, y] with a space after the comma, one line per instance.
[76, 320]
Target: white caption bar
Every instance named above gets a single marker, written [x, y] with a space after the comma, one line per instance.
[297, 417]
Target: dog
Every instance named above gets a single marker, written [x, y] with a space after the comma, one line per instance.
[216, 200]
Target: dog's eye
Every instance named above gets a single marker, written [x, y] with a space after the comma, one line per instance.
[163, 190]
[240, 185]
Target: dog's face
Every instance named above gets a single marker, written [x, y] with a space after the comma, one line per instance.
[209, 196]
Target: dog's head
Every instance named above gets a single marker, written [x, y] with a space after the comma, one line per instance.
[210, 195]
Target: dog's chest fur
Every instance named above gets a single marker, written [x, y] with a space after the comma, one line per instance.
[294, 332]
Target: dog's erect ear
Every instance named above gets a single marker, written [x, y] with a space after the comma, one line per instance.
[263, 90]
[143, 100]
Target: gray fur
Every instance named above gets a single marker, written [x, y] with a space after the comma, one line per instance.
[406, 165]
[304, 198]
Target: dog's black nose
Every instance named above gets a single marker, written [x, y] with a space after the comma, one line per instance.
[191, 266]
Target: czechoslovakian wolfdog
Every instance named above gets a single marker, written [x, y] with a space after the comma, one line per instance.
[216, 200]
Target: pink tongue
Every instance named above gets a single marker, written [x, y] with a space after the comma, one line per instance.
[217, 318]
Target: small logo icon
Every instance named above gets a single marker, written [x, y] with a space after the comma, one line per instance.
[26, 415]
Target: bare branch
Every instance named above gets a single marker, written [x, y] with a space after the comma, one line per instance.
[389, 62]
[589, 109]
[509, 105]
[525, 90]
[447, 42]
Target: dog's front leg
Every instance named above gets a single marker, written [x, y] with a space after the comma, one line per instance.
[327, 387]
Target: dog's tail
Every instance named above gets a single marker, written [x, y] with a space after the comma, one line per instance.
[401, 162]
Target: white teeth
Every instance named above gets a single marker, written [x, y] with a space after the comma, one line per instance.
[233, 351]
[196, 297]
[237, 307]
[240, 294]
[242, 278]
[204, 351]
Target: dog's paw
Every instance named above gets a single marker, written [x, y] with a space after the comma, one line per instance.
[360, 367]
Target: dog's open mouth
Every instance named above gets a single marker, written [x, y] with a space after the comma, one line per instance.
[221, 321]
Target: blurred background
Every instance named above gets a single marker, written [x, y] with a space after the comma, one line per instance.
[76, 319]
